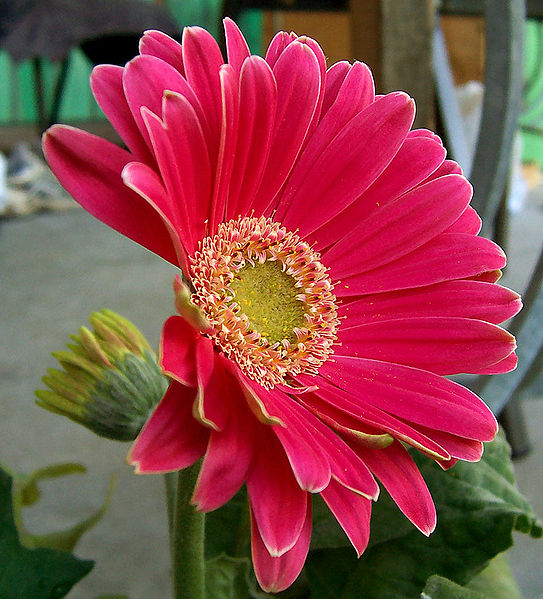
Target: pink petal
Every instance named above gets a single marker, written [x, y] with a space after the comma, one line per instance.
[347, 468]
[400, 227]
[309, 462]
[319, 54]
[165, 158]
[203, 59]
[394, 467]
[176, 352]
[448, 167]
[212, 380]
[172, 198]
[89, 168]
[461, 448]
[353, 513]
[274, 574]
[425, 133]
[353, 96]
[145, 79]
[277, 46]
[160, 45]
[345, 465]
[297, 74]
[350, 163]
[447, 257]
[335, 76]
[467, 299]
[356, 78]
[469, 222]
[440, 344]
[279, 505]
[227, 146]
[107, 86]
[253, 399]
[191, 162]
[505, 365]
[415, 160]
[258, 101]
[171, 439]
[236, 46]
[348, 413]
[144, 181]
[415, 395]
[229, 453]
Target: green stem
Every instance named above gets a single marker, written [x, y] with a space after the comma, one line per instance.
[170, 482]
[188, 540]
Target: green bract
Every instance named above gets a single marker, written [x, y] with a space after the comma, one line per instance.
[110, 380]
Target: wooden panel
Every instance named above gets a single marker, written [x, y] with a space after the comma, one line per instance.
[366, 35]
[466, 42]
[331, 29]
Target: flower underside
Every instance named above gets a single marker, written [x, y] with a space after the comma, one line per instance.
[268, 299]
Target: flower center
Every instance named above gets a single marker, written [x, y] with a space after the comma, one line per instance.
[268, 299]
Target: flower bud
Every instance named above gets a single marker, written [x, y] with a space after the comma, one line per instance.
[110, 380]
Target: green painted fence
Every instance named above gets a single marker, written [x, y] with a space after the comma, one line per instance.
[17, 81]
[531, 121]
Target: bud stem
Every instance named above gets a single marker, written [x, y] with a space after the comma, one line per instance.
[188, 540]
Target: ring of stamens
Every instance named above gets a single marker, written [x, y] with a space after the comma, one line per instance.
[268, 298]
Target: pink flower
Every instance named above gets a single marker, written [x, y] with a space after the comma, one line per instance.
[334, 276]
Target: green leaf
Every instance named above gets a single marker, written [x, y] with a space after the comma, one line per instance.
[478, 508]
[32, 573]
[227, 529]
[441, 588]
[26, 492]
[227, 578]
[28, 485]
[496, 580]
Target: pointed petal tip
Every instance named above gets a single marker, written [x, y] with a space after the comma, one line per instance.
[56, 130]
[400, 95]
[427, 531]
[97, 72]
[199, 506]
[126, 173]
[50, 130]
[135, 462]
[193, 32]
[428, 523]
[142, 471]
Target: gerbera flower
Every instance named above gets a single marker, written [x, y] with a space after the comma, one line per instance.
[331, 276]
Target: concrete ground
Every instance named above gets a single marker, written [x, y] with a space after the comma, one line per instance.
[57, 268]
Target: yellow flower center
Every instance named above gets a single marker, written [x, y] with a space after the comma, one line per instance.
[269, 299]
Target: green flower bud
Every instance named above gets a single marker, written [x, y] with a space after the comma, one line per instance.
[110, 380]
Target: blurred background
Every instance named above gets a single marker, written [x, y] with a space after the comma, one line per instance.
[475, 69]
